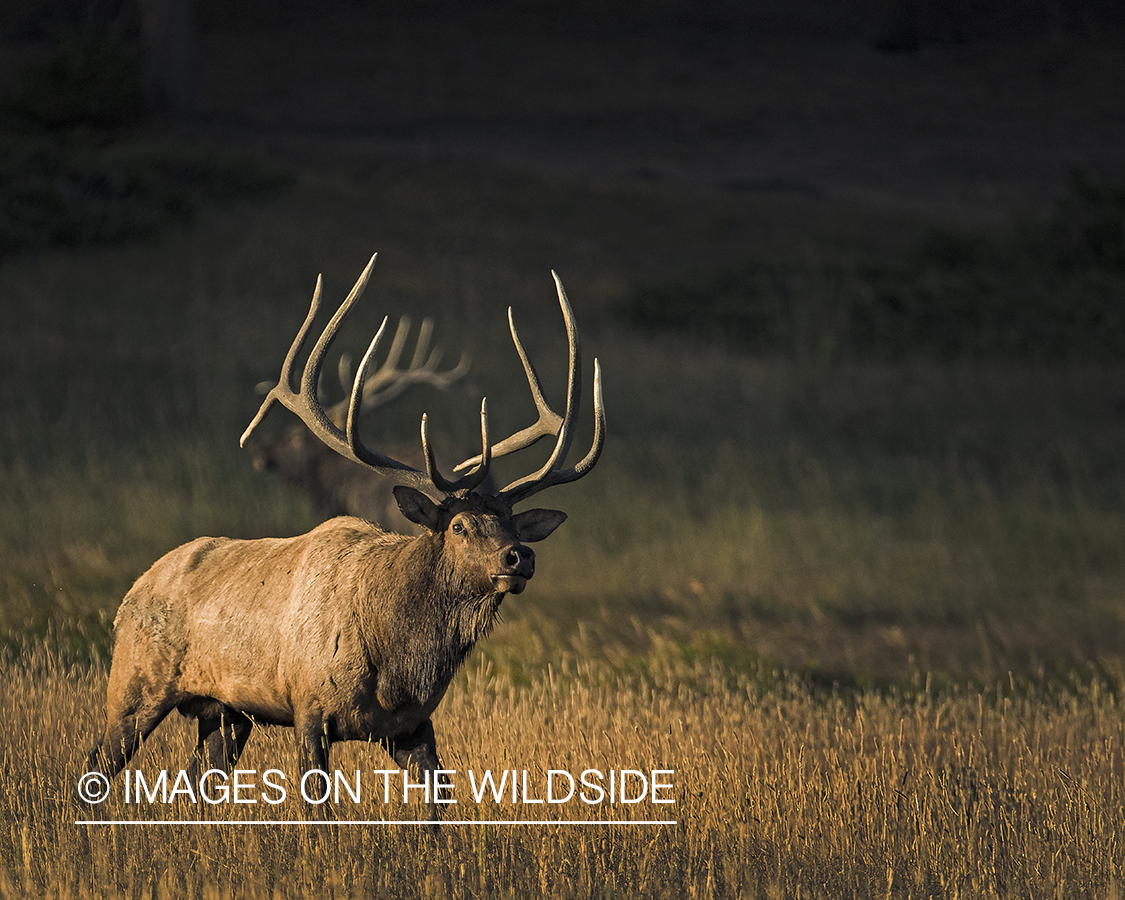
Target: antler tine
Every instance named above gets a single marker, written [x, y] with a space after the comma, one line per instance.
[549, 423]
[525, 487]
[424, 368]
[389, 381]
[565, 431]
[305, 404]
[381, 380]
[388, 372]
[284, 385]
[427, 369]
[421, 348]
[473, 479]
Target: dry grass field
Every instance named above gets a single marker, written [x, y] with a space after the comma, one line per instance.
[852, 568]
[778, 792]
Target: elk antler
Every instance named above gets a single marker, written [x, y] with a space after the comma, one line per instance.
[389, 381]
[549, 423]
[345, 441]
[306, 405]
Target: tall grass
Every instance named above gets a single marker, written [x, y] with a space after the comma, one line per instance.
[779, 790]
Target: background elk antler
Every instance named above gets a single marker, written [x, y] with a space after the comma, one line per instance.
[389, 381]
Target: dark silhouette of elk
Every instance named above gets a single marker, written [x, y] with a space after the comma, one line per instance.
[348, 632]
[335, 485]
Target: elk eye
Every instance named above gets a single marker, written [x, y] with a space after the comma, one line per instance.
[458, 528]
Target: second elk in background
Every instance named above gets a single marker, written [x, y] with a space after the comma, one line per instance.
[335, 486]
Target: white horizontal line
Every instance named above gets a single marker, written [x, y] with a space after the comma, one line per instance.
[342, 822]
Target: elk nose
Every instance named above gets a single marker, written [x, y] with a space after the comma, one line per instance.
[520, 559]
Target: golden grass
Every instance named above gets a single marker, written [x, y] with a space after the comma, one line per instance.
[779, 791]
[758, 530]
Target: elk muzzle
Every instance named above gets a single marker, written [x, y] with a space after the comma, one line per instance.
[514, 567]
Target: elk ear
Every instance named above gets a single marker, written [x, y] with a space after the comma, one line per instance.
[535, 524]
[417, 507]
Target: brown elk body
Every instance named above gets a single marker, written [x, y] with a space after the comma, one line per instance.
[345, 633]
[348, 632]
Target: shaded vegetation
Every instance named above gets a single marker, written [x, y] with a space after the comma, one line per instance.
[80, 192]
[88, 82]
[77, 168]
[1037, 292]
[829, 515]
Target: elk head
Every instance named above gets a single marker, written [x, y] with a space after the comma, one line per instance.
[482, 539]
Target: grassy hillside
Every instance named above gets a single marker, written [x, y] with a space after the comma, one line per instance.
[853, 563]
[934, 508]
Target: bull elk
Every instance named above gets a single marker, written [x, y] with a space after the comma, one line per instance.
[334, 484]
[348, 632]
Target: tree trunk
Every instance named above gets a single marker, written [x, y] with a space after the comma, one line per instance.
[168, 30]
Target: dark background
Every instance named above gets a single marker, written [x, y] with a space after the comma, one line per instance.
[842, 261]
[947, 111]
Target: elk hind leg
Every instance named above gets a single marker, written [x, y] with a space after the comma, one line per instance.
[223, 732]
[125, 731]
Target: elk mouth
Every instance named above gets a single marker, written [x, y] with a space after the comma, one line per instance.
[509, 583]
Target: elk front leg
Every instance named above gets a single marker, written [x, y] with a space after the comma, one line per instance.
[312, 754]
[417, 754]
[312, 741]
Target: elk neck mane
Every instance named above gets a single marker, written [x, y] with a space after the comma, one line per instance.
[438, 614]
